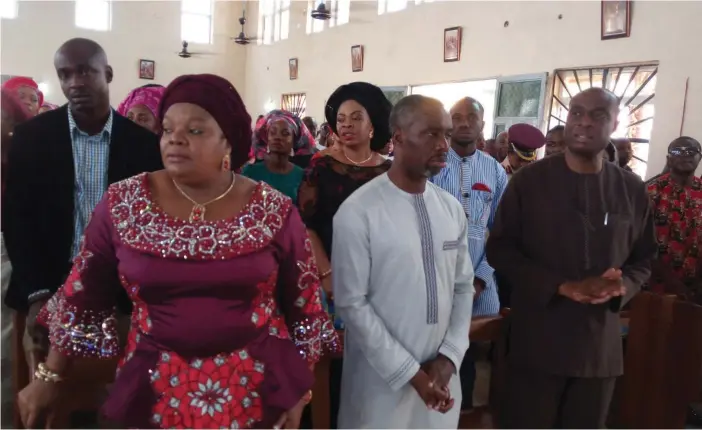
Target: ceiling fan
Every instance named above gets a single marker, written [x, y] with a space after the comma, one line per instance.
[242, 39]
[321, 12]
[184, 53]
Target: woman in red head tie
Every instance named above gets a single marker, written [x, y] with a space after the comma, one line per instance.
[27, 91]
[141, 106]
[227, 320]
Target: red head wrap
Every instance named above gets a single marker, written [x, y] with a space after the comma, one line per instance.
[13, 84]
[221, 100]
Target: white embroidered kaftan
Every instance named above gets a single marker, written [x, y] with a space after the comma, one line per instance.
[403, 284]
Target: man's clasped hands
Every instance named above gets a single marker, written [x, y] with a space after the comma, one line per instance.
[431, 383]
[595, 290]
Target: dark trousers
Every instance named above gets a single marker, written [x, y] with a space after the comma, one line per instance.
[537, 401]
[467, 375]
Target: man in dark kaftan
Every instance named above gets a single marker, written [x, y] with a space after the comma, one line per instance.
[574, 238]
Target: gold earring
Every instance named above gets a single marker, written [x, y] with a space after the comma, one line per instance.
[226, 163]
[371, 134]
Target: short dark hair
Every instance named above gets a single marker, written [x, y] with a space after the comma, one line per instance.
[471, 100]
[406, 107]
[691, 140]
[92, 46]
[559, 127]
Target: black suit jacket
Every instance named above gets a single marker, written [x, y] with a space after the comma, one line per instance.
[38, 203]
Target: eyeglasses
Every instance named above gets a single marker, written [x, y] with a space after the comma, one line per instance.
[684, 151]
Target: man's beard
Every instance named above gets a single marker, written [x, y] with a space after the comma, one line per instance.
[463, 142]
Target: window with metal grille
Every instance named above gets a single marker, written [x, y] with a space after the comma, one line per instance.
[634, 85]
[295, 103]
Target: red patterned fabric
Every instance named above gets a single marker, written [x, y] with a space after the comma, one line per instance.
[204, 393]
[678, 220]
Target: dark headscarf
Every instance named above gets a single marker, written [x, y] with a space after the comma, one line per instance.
[303, 141]
[373, 101]
[221, 100]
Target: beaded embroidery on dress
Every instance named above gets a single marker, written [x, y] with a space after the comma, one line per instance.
[144, 226]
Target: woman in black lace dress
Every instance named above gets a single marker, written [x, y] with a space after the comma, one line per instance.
[359, 115]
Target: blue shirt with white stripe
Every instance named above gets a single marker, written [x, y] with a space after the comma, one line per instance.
[480, 207]
[90, 158]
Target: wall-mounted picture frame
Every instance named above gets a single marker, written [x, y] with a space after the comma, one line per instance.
[452, 44]
[292, 68]
[357, 58]
[616, 19]
[147, 69]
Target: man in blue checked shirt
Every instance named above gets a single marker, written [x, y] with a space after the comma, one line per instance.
[478, 181]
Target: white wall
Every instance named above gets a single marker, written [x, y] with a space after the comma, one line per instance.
[405, 48]
[140, 29]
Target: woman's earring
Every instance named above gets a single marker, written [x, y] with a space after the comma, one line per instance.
[226, 163]
[371, 134]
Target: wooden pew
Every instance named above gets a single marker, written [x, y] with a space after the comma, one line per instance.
[662, 363]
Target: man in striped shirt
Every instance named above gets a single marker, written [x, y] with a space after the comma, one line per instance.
[477, 180]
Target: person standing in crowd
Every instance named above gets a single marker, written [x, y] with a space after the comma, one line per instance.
[310, 124]
[27, 91]
[59, 166]
[141, 106]
[501, 146]
[242, 295]
[14, 112]
[555, 142]
[477, 181]
[574, 237]
[625, 152]
[280, 134]
[46, 106]
[676, 198]
[359, 115]
[524, 141]
[403, 283]
[490, 148]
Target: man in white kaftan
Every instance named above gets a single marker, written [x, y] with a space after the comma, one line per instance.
[403, 282]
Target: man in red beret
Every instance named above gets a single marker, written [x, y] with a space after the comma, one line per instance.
[524, 140]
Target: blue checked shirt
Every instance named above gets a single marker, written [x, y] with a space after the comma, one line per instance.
[480, 208]
[90, 157]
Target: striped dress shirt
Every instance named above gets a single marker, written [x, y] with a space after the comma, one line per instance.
[90, 158]
[480, 207]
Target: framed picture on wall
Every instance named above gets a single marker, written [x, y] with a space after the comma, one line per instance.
[292, 68]
[616, 19]
[357, 58]
[147, 69]
[452, 44]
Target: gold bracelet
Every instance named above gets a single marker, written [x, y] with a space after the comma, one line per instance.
[325, 274]
[44, 374]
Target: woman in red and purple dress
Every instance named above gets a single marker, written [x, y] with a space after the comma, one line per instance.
[227, 320]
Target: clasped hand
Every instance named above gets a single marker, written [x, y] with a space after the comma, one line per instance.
[431, 383]
[595, 290]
